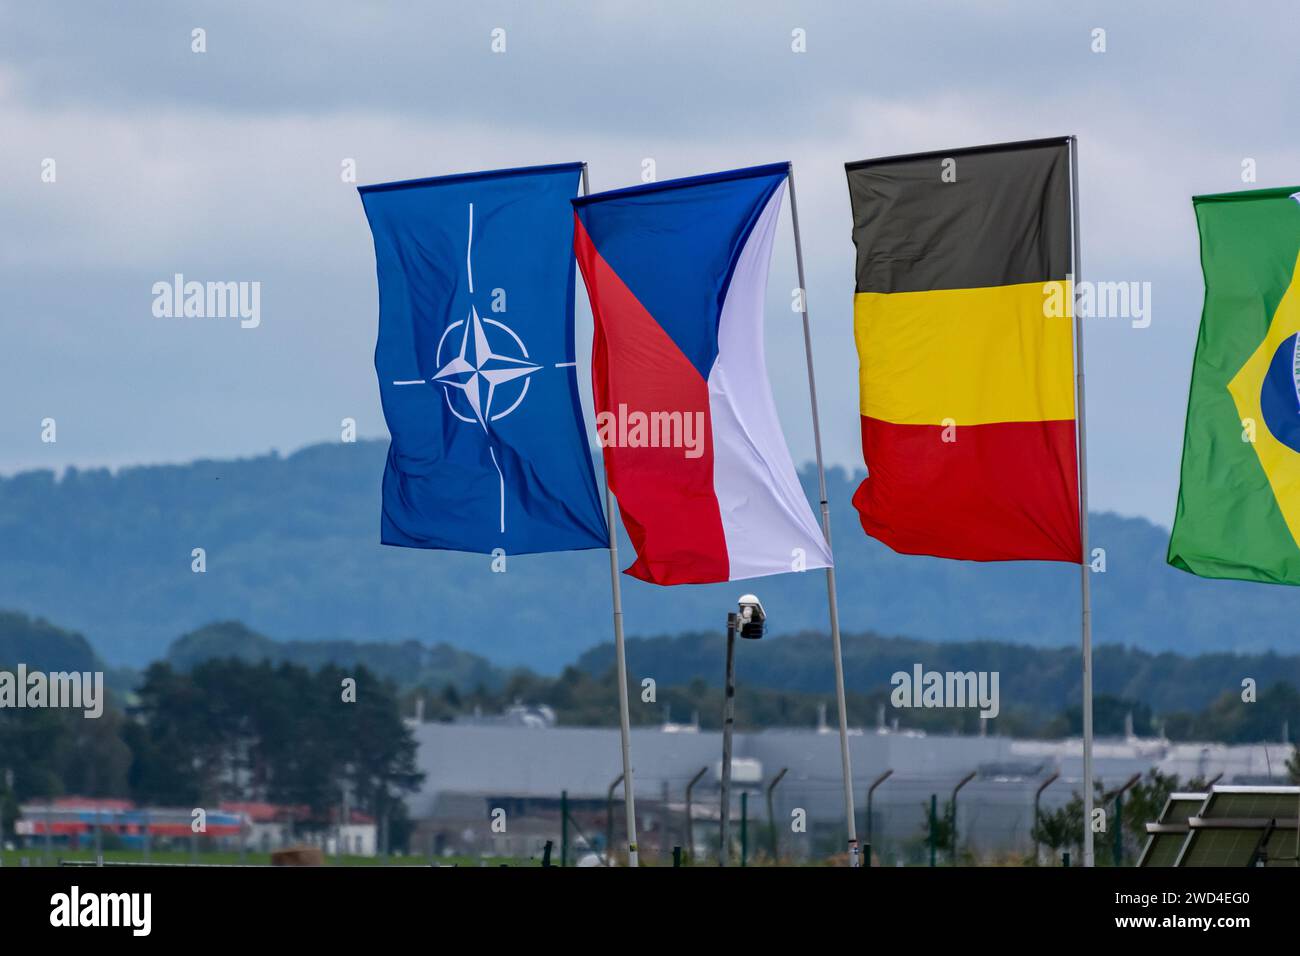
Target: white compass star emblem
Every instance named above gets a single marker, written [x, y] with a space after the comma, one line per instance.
[477, 370]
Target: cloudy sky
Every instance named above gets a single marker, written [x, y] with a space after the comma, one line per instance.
[226, 165]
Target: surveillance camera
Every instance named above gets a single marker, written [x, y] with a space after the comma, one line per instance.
[752, 616]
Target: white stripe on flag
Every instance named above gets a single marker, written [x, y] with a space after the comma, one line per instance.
[765, 514]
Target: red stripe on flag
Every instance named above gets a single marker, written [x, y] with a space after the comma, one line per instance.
[1000, 492]
[667, 500]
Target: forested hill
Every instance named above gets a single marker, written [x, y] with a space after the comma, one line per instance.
[1041, 680]
[1044, 680]
[786, 680]
[292, 549]
[43, 646]
[407, 663]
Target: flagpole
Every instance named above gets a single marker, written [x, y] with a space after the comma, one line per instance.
[847, 765]
[1085, 568]
[624, 718]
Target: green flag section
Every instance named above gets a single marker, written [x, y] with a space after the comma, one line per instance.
[1239, 499]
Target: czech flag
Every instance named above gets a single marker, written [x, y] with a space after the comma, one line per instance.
[676, 273]
[965, 346]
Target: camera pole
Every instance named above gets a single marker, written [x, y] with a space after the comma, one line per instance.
[728, 722]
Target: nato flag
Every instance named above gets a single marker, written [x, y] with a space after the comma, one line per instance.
[476, 364]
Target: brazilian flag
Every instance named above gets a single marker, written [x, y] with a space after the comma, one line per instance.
[1239, 499]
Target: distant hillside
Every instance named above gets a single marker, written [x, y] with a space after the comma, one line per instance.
[292, 549]
[1043, 680]
[786, 680]
[42, 646]
[1037, 679]
[408, 664]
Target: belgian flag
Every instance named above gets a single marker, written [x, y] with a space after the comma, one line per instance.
[963, 320]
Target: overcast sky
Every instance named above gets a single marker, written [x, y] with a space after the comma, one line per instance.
[225, 165]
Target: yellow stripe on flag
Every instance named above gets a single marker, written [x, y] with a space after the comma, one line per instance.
[1278, 461]
[975, 356]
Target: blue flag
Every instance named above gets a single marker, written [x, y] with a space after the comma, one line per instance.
[476, 364]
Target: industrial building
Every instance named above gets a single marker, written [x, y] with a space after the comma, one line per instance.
[497, 786]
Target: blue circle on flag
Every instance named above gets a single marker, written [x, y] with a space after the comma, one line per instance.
[1279, 397]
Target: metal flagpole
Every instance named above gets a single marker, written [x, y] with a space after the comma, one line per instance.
[854, 858]
[1085, 568]
[624, 720]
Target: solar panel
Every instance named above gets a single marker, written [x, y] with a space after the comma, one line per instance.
[1258, 803]
[1162, 849]
[1221, 847]
[1280, 849]
[1169, 831]
[1181, 806]
[1244, 826]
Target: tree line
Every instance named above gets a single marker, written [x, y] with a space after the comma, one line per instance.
[580, 697]
[227, 730]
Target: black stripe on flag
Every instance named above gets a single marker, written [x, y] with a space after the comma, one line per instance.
[962, 219]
